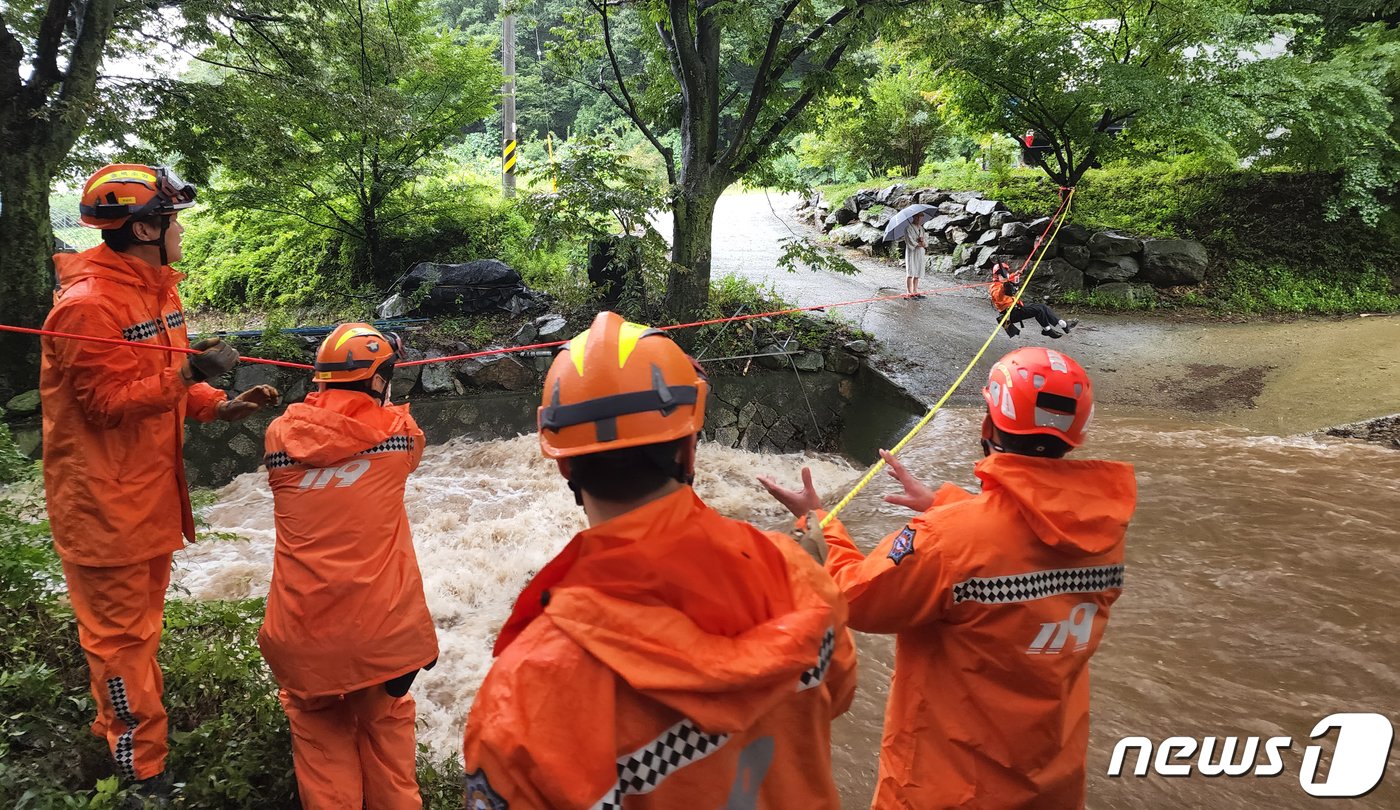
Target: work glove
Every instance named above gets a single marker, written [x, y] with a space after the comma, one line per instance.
[247, 403]
[215, 359]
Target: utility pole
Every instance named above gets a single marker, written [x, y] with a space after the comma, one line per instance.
[508, 144]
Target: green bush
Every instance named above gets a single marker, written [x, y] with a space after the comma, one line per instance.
[266, 261]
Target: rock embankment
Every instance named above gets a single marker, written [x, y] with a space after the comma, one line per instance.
[1383, 430]
[970, 234]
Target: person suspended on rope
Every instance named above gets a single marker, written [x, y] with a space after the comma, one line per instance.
[114, 472]
[347, 626]
[667, 650]
[997, 600]
[915, 243]
[1005, 283]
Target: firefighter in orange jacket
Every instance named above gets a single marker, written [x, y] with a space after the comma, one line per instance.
[347, 626]
[997, 601]
[668, 657]
[114, 473]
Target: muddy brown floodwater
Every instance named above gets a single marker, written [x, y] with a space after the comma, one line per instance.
[1262, 573]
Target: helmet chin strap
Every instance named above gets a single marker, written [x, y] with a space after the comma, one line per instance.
[159, 241]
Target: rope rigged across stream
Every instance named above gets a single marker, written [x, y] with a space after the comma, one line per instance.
[1057, 220]
[471, 355]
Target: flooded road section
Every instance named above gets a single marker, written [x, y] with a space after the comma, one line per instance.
[1260, 597]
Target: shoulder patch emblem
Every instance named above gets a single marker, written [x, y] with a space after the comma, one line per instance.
[903, 545]
[479, 794]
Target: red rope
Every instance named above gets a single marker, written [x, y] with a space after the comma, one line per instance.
[507, 350]
[711, 322]
[137, 344]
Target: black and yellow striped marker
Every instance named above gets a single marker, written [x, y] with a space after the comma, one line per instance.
[508, 156]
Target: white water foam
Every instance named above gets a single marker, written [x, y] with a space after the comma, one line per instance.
[486, 516]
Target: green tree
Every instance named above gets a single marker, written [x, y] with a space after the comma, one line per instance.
[329, 110]
[50, 55]
[1076, 74]
[717, 89]
[888, 123]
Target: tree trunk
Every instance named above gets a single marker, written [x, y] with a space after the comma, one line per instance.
[26, 267]
[688, 285]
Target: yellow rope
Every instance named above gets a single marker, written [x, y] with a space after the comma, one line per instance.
[880, 463]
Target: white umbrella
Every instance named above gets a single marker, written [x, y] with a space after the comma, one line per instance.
[894, 229]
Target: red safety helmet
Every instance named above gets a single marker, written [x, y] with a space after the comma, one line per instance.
[616, 385]
[1036, 390]
[355, 352]
[123, 191]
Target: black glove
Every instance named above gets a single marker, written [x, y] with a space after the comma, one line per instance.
[215, 359]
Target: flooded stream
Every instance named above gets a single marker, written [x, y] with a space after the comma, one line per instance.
[1262, 574]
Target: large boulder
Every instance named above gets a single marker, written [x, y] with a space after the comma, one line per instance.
[878, 216]
[952, 208]
[844, 216]
[1118, 268]
[965, 197]
[1074, 234]
[988, 237]
[938, 224]
[902, 201]
[985, 256]
[999, 219]
[1108, 244]
[1054, 278]
[501, 373]
[934, 197]
[884, 195]
[24, 404]
[984, 206]
[957, 235]
[1173, 262]
[871, 235]
[1013, 230]
[1018, 246]
[846, 235]
[1077, 255]
[436, 377]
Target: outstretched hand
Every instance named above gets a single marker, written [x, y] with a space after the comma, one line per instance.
[798, 502]
[247, 403]
[916, 495]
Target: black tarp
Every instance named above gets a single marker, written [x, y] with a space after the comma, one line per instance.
[483, 285]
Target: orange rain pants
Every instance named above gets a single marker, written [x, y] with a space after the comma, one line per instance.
[120, 611]
[354, 750]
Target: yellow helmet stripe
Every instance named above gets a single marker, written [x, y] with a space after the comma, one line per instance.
[357, 331]
[627, 339]
[121, 174]
[575, 349]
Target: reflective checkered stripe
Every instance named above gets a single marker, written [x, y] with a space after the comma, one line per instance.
[1038, 585]
[144, 330]
[125, 752]
[174, 320]
[817, 674]
[643, 770]
[394, 443]
[278, 459]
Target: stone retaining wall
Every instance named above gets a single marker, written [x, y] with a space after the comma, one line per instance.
[767, 411]
[968, 234]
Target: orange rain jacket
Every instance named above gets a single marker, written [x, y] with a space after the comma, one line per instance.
[114, 469]
[670, 656]
[1002, 299]
[997, 601]
[346, 608]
